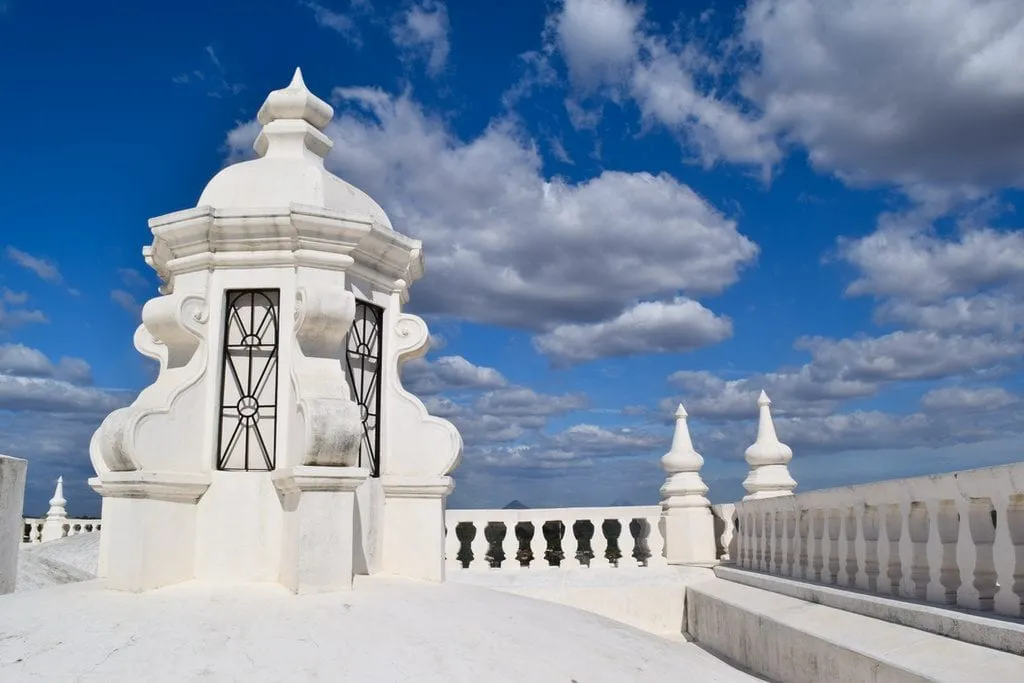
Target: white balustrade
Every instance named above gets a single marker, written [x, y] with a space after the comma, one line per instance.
[954, 538]
[33, 528]
[544, 539]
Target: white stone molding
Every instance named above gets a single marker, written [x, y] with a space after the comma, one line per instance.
[281, 224]
[768, 459]
[56, 516]
[12, 498]
[419, 444]
[173, 331]
[320, 504]
[686, 511]
[331, 419]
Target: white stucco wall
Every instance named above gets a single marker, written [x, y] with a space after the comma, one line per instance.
[12, 498]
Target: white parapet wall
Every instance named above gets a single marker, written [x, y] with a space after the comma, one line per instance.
[566, 538]
[32, 527]
[955, 539]
[12, 497]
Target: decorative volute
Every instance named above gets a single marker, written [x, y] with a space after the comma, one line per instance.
[768, 458]
[684, 486]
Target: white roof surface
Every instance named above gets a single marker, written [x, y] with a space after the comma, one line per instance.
[384, 630]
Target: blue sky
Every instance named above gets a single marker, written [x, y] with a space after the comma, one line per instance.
[622, 207]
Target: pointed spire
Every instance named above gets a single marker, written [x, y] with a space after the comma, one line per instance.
[681, 456]
[683, 463]
[686, 511]
[767, 457]
[765, 424]
[304, 117]
[56, 516]
[58, 495]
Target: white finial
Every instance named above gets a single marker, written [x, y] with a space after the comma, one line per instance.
[684, 487]
[769, 476]
[686, 512]
[58, 497]
[56, 516]
[293, 119]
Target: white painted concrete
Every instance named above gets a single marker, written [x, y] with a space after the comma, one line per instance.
[970, 627]
[56, 516]
[686, 512]
[67, 560]
[954, 538]
[768, 459]
[648, 599]
[384, 630]
[792, 641]
[183, 497]
[649, 536]
[12, 499]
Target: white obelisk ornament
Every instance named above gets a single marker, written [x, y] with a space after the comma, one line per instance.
[768, 459]
[686, 512]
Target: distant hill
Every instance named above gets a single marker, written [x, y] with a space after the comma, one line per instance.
[516, 505]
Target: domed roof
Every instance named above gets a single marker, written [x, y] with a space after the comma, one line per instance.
[290, 168]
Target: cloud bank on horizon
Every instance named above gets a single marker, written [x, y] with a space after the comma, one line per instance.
[815, 199]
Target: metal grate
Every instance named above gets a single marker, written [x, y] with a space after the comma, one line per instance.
[247, 437]
[363, 362]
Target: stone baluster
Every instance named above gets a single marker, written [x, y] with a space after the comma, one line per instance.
[779, 550]
[947, 522]
[510, 547]
[759, 541]
[539, 545]
[870, 525]
[602, 544]
[804, 533]
[570, 545]
[655, 542]
[630, 547]
[1005, 602]
[689, 525]
[35, 536]
[745, 547]
[893, 533]
[918, 527]
[479, 545]
[850, 529]
[835, 527]
[792, 541]
[452, 546]
[983, 520]
[818, 561]
[1015, 521]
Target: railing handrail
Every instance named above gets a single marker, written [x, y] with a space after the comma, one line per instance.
[550, 514]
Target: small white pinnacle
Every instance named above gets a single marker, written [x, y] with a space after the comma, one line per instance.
[297, 81]
[763, 399]
[681, 411]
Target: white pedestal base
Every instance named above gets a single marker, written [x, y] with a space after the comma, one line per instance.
[689, 535]
[318, 546]
[149, 527]
[414, 526]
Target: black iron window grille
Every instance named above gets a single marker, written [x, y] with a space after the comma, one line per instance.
[247, 437]
[363, 363]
